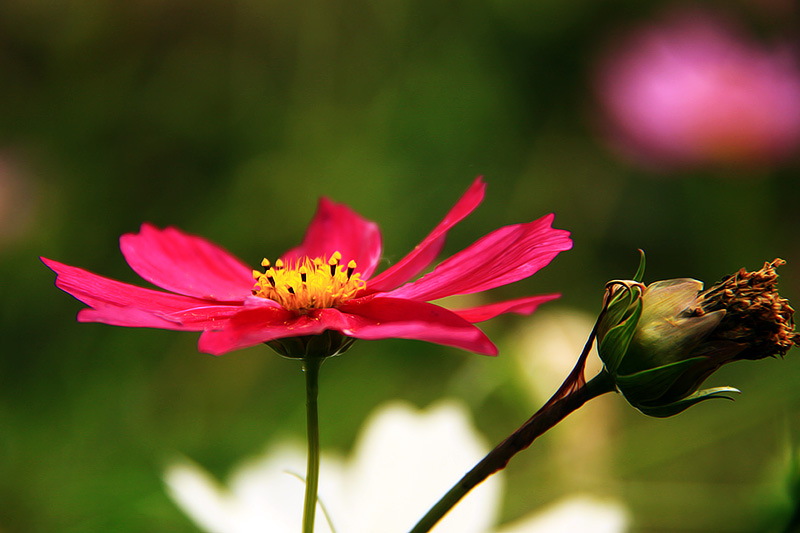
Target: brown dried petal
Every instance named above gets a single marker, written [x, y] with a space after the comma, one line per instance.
[756, 316]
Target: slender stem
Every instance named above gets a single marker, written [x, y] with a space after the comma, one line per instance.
[548, 416]
[311, 369]
[571, 395]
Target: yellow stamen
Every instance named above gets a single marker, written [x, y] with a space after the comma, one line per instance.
[308, 283]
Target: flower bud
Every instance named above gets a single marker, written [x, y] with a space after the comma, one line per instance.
[661, 341]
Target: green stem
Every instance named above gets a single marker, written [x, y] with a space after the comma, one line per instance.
[548, 416]
[311, 369]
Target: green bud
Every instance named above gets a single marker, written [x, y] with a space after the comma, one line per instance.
[326, 344]
[661, 341]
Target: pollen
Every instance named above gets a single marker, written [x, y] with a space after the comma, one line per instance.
[308, 283]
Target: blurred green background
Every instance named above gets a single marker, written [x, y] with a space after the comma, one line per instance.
[229, 120]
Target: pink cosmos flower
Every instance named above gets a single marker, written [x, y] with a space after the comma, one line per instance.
[325, 285]
[693, 90]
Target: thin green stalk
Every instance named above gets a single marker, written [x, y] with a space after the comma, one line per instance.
[571, 395]
[311, 369]
[562, 404]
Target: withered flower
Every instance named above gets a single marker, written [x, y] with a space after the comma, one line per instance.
[661, 341]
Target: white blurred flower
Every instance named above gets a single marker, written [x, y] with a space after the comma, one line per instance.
[403, 462]
[572, 515]
[262, 494]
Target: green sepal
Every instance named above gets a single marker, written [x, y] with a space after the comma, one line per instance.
[648, 385]
[616, 341]
[664, 411]
[619, 308]
[639, 276]
[326, 344]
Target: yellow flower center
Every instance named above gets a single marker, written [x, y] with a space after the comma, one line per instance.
[308, 283]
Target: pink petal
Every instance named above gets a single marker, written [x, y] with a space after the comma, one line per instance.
[520, 306]
[121, 304]
[130, 317]
[337, 228]
[387, 318]
[256, 325]
[365, 318]
[186, 264]
[504, 256]
[204, 317]
[426, 251]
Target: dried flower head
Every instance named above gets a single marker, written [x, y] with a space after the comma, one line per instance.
[757, 319]
[661, 341]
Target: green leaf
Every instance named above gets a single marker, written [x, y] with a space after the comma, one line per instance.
[674, 408]
[648, 385]
[639, 276]
[615, 343]
[620, 307]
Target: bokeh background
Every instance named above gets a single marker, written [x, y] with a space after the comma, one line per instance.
[230, 120]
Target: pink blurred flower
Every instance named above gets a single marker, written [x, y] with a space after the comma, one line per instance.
[324, 285]
[692, 90]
